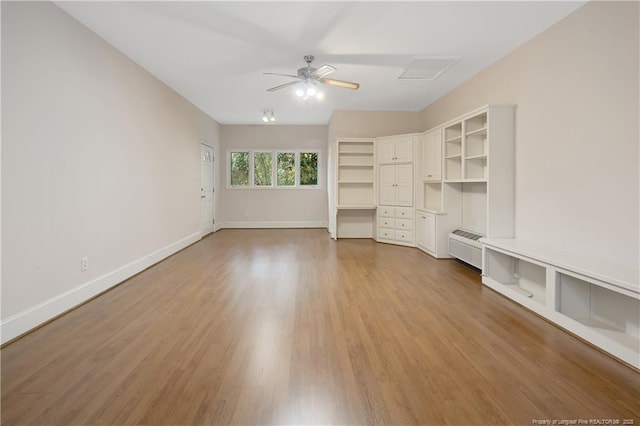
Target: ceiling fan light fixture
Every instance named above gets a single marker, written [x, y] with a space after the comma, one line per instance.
[311, 91]
[299, 93]
[319, 96]
[272, 118]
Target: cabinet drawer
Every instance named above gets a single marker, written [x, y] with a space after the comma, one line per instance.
[386, 211]
[387, 234]
[386, 222]
[404, 235]
[404, 224]
[404, 212]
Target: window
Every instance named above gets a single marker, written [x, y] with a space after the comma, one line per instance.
[308, 168]
[262, 165]
[286, 169]
[273, 169]
[239, 166]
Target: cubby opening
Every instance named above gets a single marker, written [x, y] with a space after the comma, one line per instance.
[453, 169]
[433, 196]
[476, 123]
[475, 168]
[476, 144]
[356, 147]
[355, 223]
[355, 174]
[606, 312]
[524, 277]
[355, 160]
[356, 194]
[453, 132]
[473, 198]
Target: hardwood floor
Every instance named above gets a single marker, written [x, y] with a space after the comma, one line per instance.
[290, 327]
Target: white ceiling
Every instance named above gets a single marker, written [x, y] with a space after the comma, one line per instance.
[214, 53]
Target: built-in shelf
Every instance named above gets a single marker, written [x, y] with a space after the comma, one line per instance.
[465, 181]
[454, 156]
[597, 300]
[481, 131]
[355, 153]
[454, 139]
[355, 165]
[477, 157]
[356, 207]
[355, 188]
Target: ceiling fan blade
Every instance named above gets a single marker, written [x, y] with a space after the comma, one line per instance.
[284, 75]
[282, 86]
[323, 71]
[340, 83]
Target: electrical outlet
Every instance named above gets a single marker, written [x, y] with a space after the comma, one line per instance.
[84, 264]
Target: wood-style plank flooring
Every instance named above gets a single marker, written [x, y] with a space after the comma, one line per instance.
[290, 327]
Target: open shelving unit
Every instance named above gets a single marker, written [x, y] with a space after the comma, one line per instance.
[355, 174]
[594, 299]
[355, 188]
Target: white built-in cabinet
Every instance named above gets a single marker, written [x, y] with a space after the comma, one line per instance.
[396, 184]
[597, 300]
[431, 155]
[461, 176]
[395, 225]
[395, 149]
[470, 185]
[395, 218]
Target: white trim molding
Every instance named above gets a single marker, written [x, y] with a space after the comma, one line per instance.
[30, 318]
[275, 224]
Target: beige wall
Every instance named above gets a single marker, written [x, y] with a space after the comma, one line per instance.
[371, 124]
[273, 207]
[576, 87]
[99, 159]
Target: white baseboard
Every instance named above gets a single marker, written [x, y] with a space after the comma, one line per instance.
[23, 321]
[292, 224]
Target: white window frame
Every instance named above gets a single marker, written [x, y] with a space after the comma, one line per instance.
[274, 168]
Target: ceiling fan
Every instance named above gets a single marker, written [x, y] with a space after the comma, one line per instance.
[310, 77]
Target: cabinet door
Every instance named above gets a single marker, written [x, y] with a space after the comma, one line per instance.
[404, 185]
[404, 149]
[387, 185]
[421, 228]
[432, 156]
[385, 150]
[429, 232]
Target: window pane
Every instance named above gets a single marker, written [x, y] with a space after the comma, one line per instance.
[308, 168]
[262, 163]
[239, 168]
[286, 169]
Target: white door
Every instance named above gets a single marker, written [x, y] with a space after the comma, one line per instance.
[404, 185]
[206, 188]
[388, 185]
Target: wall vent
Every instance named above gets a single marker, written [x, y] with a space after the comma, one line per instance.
[465, 246]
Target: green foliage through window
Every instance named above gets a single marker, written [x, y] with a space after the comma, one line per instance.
[286, 169]
[239, 168]
[308, 168]
[262, 165]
